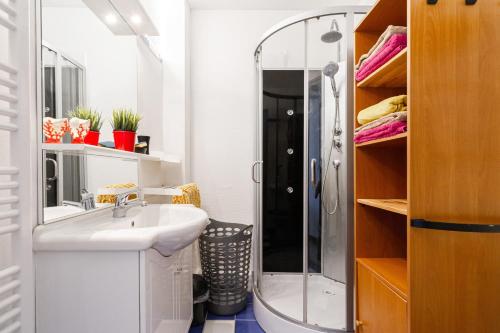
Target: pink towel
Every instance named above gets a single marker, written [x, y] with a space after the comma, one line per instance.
[383, 131]
[392, 47]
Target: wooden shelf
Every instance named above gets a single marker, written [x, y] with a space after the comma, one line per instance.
[108, 152]
[391, 75]
[382, 14]
[398, 206]
[391, 271]
[381, 185]
[392, 141]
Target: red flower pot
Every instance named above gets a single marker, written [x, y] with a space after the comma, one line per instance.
[124, 140]
[48, 140]
[92, 138]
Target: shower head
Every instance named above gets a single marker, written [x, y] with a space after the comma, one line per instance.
[331, 69]
[331, 36]
[334, 35]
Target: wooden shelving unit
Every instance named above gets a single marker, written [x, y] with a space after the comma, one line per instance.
[399, 180]
[392, 272]
[396, 140]
[381, 207]
[391, 74]
[399, 206]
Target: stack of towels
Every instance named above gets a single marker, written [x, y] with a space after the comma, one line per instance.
[389, 44]
[382, 120]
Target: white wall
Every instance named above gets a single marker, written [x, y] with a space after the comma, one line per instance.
[177, 85]
[224, 105]
[172, 18]
[102, 171]
[150, 95]
[110, 61]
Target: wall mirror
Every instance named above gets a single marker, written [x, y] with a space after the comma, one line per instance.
[94, 55]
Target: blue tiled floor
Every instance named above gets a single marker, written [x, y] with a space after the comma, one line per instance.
[246, 314]
[248, 326]
[196, 329]
[245, 321]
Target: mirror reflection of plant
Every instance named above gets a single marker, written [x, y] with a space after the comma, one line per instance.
[125, 120]
[88, 114]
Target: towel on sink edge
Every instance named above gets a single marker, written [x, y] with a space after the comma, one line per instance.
[191, 195]
[109, 193]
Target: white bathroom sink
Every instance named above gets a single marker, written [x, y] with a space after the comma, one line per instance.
[56, 212]
[60, 213]
[166, 228]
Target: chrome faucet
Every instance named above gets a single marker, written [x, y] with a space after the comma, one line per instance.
[87, 202]
[122, 205]
[72, 203]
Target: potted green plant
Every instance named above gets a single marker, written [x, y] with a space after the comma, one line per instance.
[92, 137]
[125, 124]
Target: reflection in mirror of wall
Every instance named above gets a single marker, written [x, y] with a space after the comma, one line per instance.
[93, 67]
[92, 62]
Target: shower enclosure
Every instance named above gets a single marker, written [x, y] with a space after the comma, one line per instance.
[303, 263]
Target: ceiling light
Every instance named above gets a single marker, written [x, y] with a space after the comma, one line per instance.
[136, 19]
[111, 19]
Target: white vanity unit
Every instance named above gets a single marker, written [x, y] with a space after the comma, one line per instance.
[102, 274]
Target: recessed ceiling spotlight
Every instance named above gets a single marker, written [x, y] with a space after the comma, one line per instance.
[111, 19]
[136, 19]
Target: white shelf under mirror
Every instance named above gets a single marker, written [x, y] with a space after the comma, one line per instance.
[166, 191]
[108, 152]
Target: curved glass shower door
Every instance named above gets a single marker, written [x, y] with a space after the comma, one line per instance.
[303, 262]
[282, 187]
[328, 153]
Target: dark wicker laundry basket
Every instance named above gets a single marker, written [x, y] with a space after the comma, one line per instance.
[225, 250]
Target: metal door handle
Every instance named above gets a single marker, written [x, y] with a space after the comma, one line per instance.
[56, 169]
[253, 172]
[313, 172]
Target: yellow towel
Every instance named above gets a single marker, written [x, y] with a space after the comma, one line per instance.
[190, 195]
[383, 108]
[111, 198]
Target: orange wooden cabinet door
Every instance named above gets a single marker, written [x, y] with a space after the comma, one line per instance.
[454, 166]
[455, 281]
[380, 310]
[454, 127]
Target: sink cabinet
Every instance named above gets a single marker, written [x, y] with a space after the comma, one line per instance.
[167, 292]
[103, 292]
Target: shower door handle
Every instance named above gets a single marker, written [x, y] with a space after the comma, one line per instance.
[313, 172]
[56, 170]
[254, 164]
